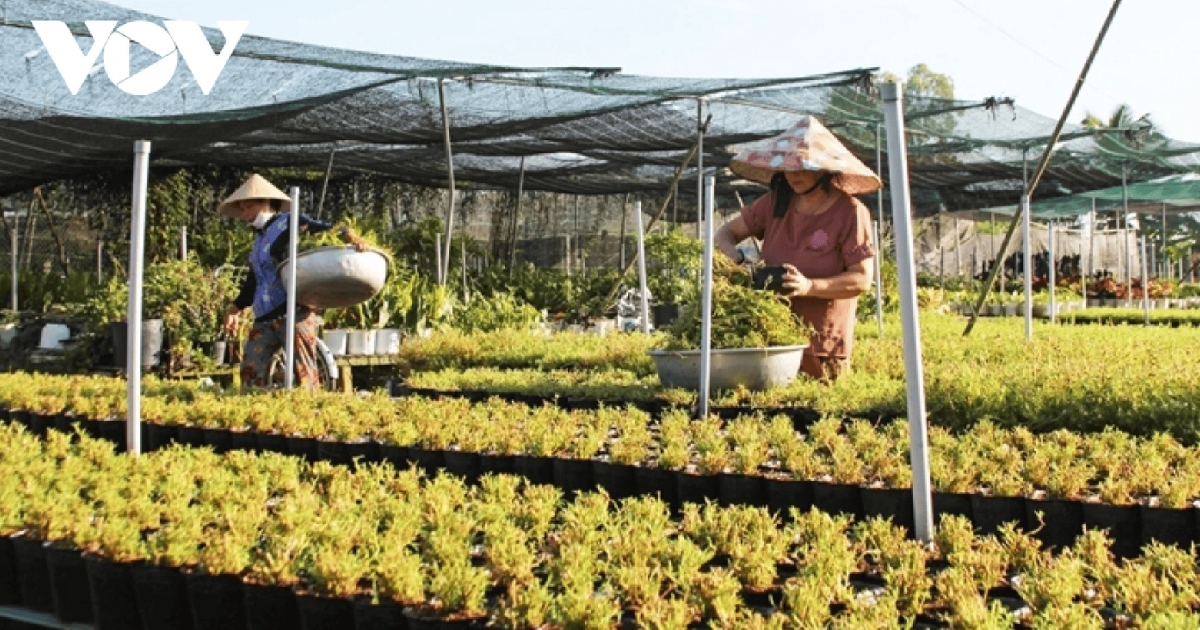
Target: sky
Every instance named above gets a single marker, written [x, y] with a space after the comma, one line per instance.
[1030, 50]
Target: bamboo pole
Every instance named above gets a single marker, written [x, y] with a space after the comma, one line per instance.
[450, 176]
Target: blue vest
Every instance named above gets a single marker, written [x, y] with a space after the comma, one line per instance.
[269, 292]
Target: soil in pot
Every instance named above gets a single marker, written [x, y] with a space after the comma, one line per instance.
[697, 488]
[216, 601]
[619, 480]
[386, 615]
[787, 493]
[325, 613]
[1168, 525]
[990, 512]
[737, 489]
[895, 504]
[114, 601]
[270, 607]
[162, 597]
[837, 498]
[462, 464]
[537, 470]
[10, 584]
[657, 482]
[69, 584]
[34, 575]
[1123, 522]
[1062, 518]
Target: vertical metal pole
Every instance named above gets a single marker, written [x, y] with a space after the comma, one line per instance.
[1050, 247]
[1126, 252]
[100, 262]
[16, 241]
[878, 275]
[893, 113]
[463, 248]
[1027, 258]
[699, 167]
[1145, 281]
[567, 243]
[1164, 242]
[183, 242]
[133, 317]
[957, 249]
[706, 200]
[641, 253]
[444, 273]
[437, 258]
[289, 345]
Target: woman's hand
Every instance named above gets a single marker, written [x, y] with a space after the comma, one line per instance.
[230, 324]
[795, 284]
[350, 237]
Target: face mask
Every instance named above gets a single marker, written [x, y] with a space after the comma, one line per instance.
[260, 221]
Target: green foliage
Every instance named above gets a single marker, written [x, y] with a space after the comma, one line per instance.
[673, 263]
[742, 317]
[499, 312]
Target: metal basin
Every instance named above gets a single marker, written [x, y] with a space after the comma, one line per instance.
[336, 277]
[752, 368]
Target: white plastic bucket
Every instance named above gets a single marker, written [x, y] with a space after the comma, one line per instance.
[335, 339]
[387, 341]
[360, 342]
[53, 335]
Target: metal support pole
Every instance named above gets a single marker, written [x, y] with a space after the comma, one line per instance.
[450, 176]
[1127, 255]
[183, 249]
[1164, 241]
[567, 245]
[325, 182]
[1145, 281]
[133, 316]
[1027, 257]
[1050, 248]
[893, 113]
[437, 258]
[957, 249]
[99, 262]
[878, 276]
[699, 166]
[289, 344]
[463, 248]
[641, 245]
[706, 200]
[879, 171]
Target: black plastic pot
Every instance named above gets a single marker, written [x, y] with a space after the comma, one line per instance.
[113, 431]
[395, 455]
[333, 451]
[428, 460]
[990, 512]
[889, 503]
[114, 600]
[69, 585]
[697, 488]
[1123, 522]
[270, 607]
[658, 482]
[462, 464]
[665, 314]
[364, 451]
[1063, 521]
[737, 489]
[221, 440]
[62, 422]
[10, 582]
[785, 494]
[952, 503]
[244, 440]
[24, 417]
[619, 480]
[189, 435]
[837, 498]
[216, 602]
[535, 469]
[156, 436]
[38, 423]
[162, 597]
[574, 475]
[385, 615]
[271, 442]
[34, 575]
[325, 613]
[1168, 525]
[496, 463]
[305, 447]
[416, 622]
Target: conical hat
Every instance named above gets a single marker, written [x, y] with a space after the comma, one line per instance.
[807, 146]
[255, 188]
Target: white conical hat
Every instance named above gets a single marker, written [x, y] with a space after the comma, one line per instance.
[806, 146]
[257, 187]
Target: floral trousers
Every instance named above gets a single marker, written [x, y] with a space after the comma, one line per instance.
[266, 338]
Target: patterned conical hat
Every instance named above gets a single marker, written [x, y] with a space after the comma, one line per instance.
[807, 146]
[257, 187]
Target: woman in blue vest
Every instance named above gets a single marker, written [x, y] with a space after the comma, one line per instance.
[265, 208]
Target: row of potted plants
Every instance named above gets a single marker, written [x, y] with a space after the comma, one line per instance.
[185, 538]
[1135, 316]
[1141, 489]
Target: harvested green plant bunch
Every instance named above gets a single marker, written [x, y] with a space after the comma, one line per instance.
[742, 317]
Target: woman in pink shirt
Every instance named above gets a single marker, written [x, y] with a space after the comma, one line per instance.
[811, 225]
